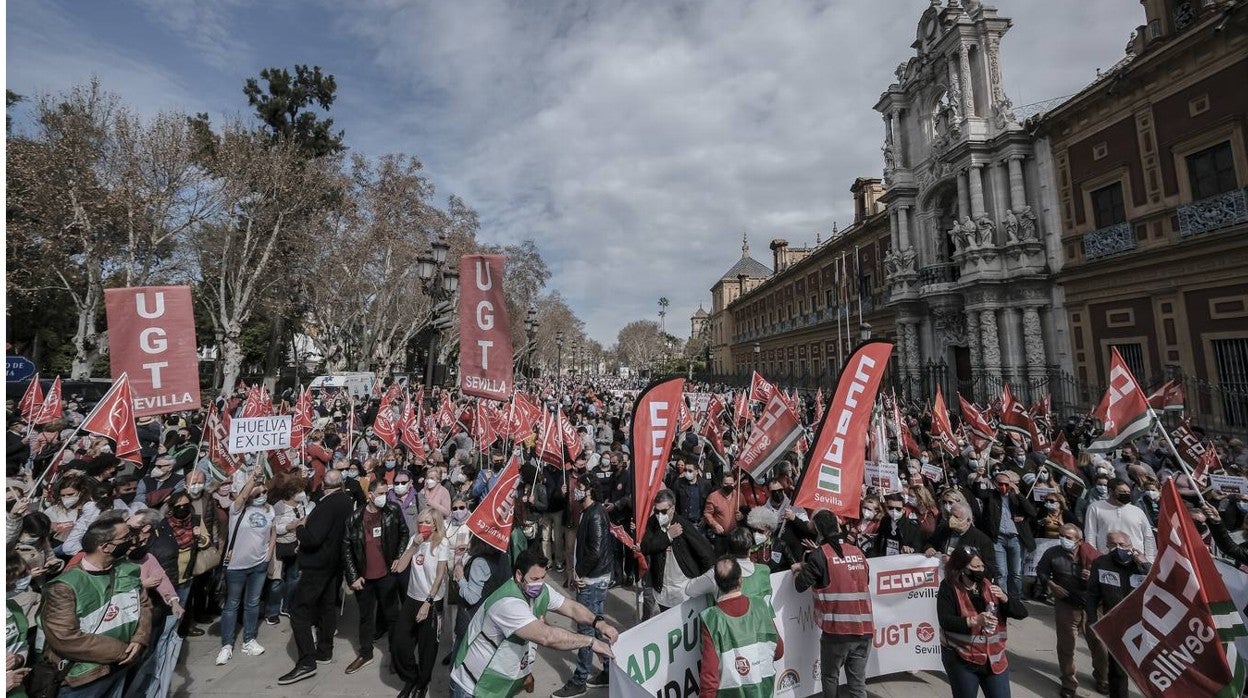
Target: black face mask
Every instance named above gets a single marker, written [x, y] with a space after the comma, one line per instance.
[1123, 497]
[182, 511]
[1121, 556]
[122, 549]
[138, 551]
[727, 489]
[777, 497]
[976, 576]
[127, 498]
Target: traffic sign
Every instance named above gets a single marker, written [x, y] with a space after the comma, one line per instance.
[18, 368]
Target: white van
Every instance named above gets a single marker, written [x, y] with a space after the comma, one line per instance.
[357, 384]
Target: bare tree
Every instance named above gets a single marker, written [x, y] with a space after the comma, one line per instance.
[640, 343]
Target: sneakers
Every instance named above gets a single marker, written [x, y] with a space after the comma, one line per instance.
[602, 678]
[223, 657]
[251, 648]
[297, 674]
[324, 660]
[569, 689]
[358, 663]
[272, 620]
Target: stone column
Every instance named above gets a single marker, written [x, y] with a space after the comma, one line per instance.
[968, 91]
[899, 151]
[894, 237]
[1033, 336]
[977, 190]
[1010, 334]
[903, 227]
[964, 196]
[974, 344]
[1018, 192]
[992, 345]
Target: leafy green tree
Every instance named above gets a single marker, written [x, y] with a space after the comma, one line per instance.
[287, 105]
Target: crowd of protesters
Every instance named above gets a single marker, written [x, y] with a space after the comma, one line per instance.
[113, 562]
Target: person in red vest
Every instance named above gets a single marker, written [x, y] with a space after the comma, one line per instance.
[972, 611]
[837, 572]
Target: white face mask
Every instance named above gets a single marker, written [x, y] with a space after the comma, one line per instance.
[759, 538]
[195, 490]
[430, 482]
[1153, 494]
[894, 514]
[1068, 544]
[946, 507]
[260, 501]
[159, 473]
[401, 489]
[352, 474]
[301, 497]
[868, 514]
[70, 501]
[379, 501]
[578, 495]
[691, 476]
[663, 518]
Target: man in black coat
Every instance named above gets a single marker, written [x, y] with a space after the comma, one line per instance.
[320, 574]
[1112, 578]
[959, 531]
[671, 537]
[376, 535]
[898, 534]
[1007, 519]
[594, 560]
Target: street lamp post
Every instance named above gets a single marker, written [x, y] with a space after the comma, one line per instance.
[530, 335]
[440, 284]
[758, 351]
[559, 355]
[576, 357]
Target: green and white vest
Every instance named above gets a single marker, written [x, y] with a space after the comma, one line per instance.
[747, 649]
[758, 584]
[117, 617]
[488, 670]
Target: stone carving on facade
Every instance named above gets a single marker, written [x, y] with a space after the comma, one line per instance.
[951, 324]
[1002, 107]
[1010, 225]
[946, 130]
[891, 261]
[890, 163]
[900, 72]
[906, 261]
[984, 229]
[1027, 225]
[992, 344]
[1033, 340]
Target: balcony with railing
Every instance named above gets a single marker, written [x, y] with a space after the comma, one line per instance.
[938, 274]
[1214, 213]
[1109, 241]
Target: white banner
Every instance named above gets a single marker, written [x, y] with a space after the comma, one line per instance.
[660, 656]
[882, 475]
[252, 434]
[1031, 559]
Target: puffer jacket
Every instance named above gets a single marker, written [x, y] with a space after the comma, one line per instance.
[394, 535]
[595, 549]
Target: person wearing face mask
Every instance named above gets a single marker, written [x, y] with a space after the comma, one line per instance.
[1149, 500]
[126, 493]
[157, 552]
[836, 573]
[414, 640]
[66, 502]
[972, 613]
[676, 551]
[898, 533]
[404, 496]
[862, 531]
[722, 512]
[159, 483]
[376, 536]
[22, 608]
[433, 494]
[691, 491]
[351, 480]
[1112, 578]
[201, 603]
[550, 520]
[1007, 516]
[496, 656]
[74, 606]
[957, 531]
[1226, 544]
[290, 508]
[248, 549]
[1064, 570]
[320, 561]
[477, 574]
[1117, 513]
[594, 560]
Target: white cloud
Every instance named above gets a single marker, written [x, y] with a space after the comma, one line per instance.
[206, 27]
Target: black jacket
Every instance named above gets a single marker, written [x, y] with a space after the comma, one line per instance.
[394, 537]
[973, 537]
[321, 536]
[1110, 583]
[1019, 506]
[905, 531]
[694, 553]
[595, 555]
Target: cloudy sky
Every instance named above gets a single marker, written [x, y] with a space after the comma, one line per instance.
[634, 141]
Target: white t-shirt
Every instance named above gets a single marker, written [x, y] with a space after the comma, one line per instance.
[509, 614]
[674, 580]
[424, 570]
[251, 543]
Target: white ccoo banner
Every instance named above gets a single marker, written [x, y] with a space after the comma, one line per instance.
[660, 656]
[251, 434]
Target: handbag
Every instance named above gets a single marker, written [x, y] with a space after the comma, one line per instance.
[45, 678]
[208, 556]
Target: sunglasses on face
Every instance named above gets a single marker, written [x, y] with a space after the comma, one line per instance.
[459, 508]
[896, 508]
[662, 511]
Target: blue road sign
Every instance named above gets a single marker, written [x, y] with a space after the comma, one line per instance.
[18, 368]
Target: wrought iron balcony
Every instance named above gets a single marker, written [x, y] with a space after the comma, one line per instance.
[1110, 240]
[938, 274]
[1225, 209]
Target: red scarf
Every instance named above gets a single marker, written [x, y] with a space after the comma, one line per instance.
[183, 531]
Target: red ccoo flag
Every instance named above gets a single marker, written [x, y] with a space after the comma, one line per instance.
[409, 429]
[1170, 396]
[386, 423]
[1060, 458]
[113, 418]
[833, 476]
[32, 400]
[981, 429]
[655, 416]
[1123, 410]
[1014, 417]
[942, 429]
[493, 518]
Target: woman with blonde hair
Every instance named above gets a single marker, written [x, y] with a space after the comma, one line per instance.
[414, 640]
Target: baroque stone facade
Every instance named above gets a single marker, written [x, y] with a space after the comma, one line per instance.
[969, 275]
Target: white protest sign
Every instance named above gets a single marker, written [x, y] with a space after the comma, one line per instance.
[1228, 484]
[660, 656]
[1039, 493]
[881, 475]
[933, 472]
[1031, 559]
[252, 434]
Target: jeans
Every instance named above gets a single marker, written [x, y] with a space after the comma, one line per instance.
[837, 652]
[1070, 623]
[316, 603]
[110, 686]
[592, 597]
[250, 580]
[282, 589]
[377, 594]
[967, 683]
[1009, 553]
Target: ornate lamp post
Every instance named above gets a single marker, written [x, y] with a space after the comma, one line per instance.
[576, 357]
[559, 355]
[440, 283]
[758, 352]
[530, 335]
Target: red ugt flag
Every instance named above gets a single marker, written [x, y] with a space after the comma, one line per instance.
[832, 478]
[32, 400]
[113, 419]
[1175, 634]
[51, 408]
[386, 424]
[492, 520]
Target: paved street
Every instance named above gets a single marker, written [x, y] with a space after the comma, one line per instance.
[1033, 664]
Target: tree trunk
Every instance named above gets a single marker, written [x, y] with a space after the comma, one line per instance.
[89, 342]
[232, 361]
[274, 359]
